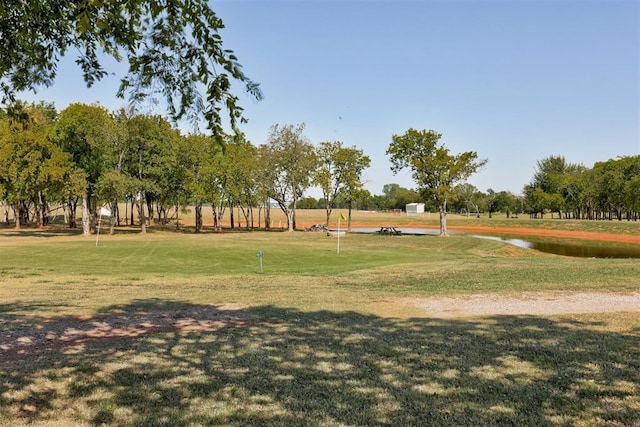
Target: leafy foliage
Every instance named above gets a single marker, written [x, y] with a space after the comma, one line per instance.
[434, 169]
[292, 158]
[33, 169]
[173, 48]
[339, 172]
[609, 189]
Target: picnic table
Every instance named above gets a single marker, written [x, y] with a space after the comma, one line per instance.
[389, 230]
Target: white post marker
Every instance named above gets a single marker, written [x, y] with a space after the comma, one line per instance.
[260, 255]
[340, 216]
[106, 212]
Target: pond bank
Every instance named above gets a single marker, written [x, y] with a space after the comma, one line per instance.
[622, 238]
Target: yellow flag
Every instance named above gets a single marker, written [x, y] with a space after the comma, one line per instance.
[342, 217]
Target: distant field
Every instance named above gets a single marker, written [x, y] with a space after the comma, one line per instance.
[308, 217]
[174, 328]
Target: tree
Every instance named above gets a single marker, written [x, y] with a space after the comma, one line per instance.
[265, 177]
[397, 197]
[292, 158]
[468, 197]
[240, 156]
[615, 178]
[551, 176]
[339, 173]
[216, 177]
[87, 132]
[173, 48]
[114, 184]
[197, 152]
[150, 142]
[505, 202]
[34, 171]
[434, 169]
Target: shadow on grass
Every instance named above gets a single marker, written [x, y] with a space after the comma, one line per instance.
[202, 365]
[40, 232]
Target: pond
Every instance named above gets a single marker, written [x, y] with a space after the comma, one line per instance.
[558, 246]
[572, 247]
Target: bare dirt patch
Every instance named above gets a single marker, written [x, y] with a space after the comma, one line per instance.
[54, 334]
[526, 303]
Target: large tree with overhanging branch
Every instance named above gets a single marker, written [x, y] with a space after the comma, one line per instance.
[173, 48]
[434, 169]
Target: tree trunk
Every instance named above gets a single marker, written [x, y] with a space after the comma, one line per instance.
[93, 214]
[267, 216]
[328, 214]
[214, 214]
[289, 214]
[220, 216]
[142, 215]
[16, 215]
[39, 210]
[443, 218]
[112, 218]
[292, 223]
[150, 208]
[198, 216]
[43, 216]
[86, 227]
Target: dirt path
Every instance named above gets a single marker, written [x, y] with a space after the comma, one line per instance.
[24, 340]
[526, 303]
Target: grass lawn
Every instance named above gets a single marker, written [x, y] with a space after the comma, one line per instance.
[316, 339]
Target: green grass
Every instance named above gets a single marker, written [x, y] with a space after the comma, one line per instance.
[301, 270]
[317, 339]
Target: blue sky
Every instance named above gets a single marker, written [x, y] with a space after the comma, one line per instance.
[516, 81]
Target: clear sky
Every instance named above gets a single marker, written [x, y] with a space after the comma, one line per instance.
[516, 81]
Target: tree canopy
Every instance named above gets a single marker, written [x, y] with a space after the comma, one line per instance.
[609, 189]
[339, 173]
[433, 168]
[293, 160]
[173, 48]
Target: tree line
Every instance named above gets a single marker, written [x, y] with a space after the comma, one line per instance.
[89, 158]
[608, 190]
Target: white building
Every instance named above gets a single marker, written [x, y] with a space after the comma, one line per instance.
[414, 208]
